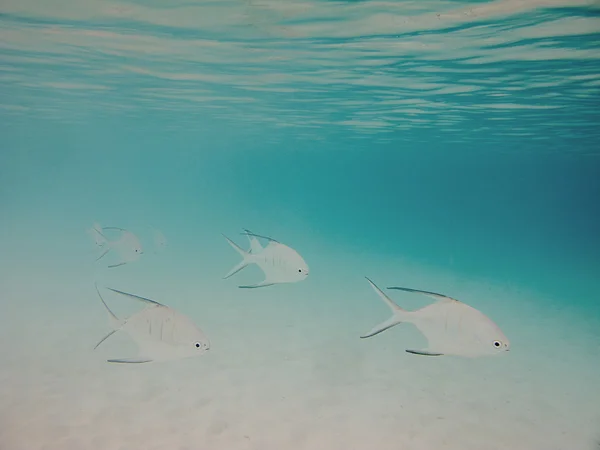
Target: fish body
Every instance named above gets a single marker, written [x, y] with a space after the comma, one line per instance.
[280, 263]
[161, 333]
[450, 326]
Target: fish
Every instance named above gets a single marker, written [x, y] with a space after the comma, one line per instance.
[127, 245]
[161, 333]
[451, 327]
[160, 241]
[280, 263]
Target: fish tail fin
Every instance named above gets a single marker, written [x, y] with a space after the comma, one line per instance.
[98, 229]
[398, 314]
[103, 254]
[101, 240]
[243, 263]
[115, 322]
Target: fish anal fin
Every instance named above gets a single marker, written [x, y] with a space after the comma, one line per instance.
[424, 352]
[258, 285]
[136, 360]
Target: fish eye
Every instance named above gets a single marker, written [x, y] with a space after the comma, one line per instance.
[497, 344]
[197, 344]
[299, 270]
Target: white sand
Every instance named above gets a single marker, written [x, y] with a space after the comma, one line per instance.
[303, 382]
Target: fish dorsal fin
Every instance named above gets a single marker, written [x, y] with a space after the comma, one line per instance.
[255, 246]
[250, 233]
[137, 297]
[114, 228]
[435, 295]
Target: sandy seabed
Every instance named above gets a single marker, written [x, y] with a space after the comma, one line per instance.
[292, 380]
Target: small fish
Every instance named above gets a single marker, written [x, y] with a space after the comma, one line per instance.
[127, 245]
[450, 326]
[160, 241]
[161, 333]
[280, 263]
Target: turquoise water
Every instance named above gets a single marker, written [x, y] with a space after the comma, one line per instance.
[444, 146]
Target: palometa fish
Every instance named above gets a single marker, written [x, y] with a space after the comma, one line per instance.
[127, 245]
[161, 333]
[160, 241]
[450, 326]
[280, 263]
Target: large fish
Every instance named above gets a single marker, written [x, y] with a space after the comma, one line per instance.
[161, 333]
[280, 263]
[450, 326]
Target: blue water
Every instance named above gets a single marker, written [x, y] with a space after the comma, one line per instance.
[446, 146]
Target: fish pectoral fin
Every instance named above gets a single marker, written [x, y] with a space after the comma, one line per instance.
[137, 360]
[423, 352]
[257, 285]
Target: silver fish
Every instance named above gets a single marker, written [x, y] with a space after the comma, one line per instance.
[450, 326]
[160, 332]
[127, 245]
[280, 263]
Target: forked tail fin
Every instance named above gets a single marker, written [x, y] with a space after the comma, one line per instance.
[115, 322]
[243, 263]
[396, 318]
